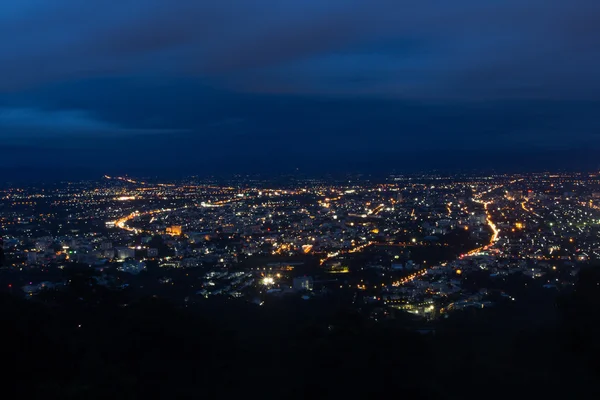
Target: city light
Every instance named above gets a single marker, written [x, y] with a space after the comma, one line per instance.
[237, 243]
[267, 280]
[125, 198]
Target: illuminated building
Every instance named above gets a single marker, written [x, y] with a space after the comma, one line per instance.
[132, 267]
[109, 253]
[267, 280]
[174, 230]
[303, 283]
[125, 252]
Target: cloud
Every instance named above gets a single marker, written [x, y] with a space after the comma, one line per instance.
[61, 120]
[462, 49]
[19, 123]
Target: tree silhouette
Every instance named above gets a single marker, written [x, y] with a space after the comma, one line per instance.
[2, 259]
[89, 341]
[580, 318]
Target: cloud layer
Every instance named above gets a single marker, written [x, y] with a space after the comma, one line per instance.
[237, 83]
[26, 123]
[403, 48]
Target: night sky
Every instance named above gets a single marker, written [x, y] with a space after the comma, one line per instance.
[222, 86]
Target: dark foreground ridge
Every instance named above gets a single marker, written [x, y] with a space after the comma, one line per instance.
[83, 343]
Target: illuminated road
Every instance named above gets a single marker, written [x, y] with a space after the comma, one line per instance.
[122, 222]
[129, 180]
[495, 230]
[493, 227]
[124, 179]
[355, 249]
[376, 210]
[422, 272]
[491, 224]
[410, 278]
[489, 221]
[529, 210]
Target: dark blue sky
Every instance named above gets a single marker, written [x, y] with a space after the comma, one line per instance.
[215, 85]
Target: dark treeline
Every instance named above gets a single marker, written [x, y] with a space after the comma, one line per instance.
[83, 343]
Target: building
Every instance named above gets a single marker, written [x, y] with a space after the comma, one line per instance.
[303, 283]
[32, 258]
[255, 229]
[43, 245]
[170, 264]
[515, 194]
[109, 253]
[397, 266]
[174, 230]
[410, 265]
[152, 252]
[36, 288]
[132, 267]
[106, 245]
[125, 252]
[86, 258]
[478, 219]
[190, 262]
[399, 197]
